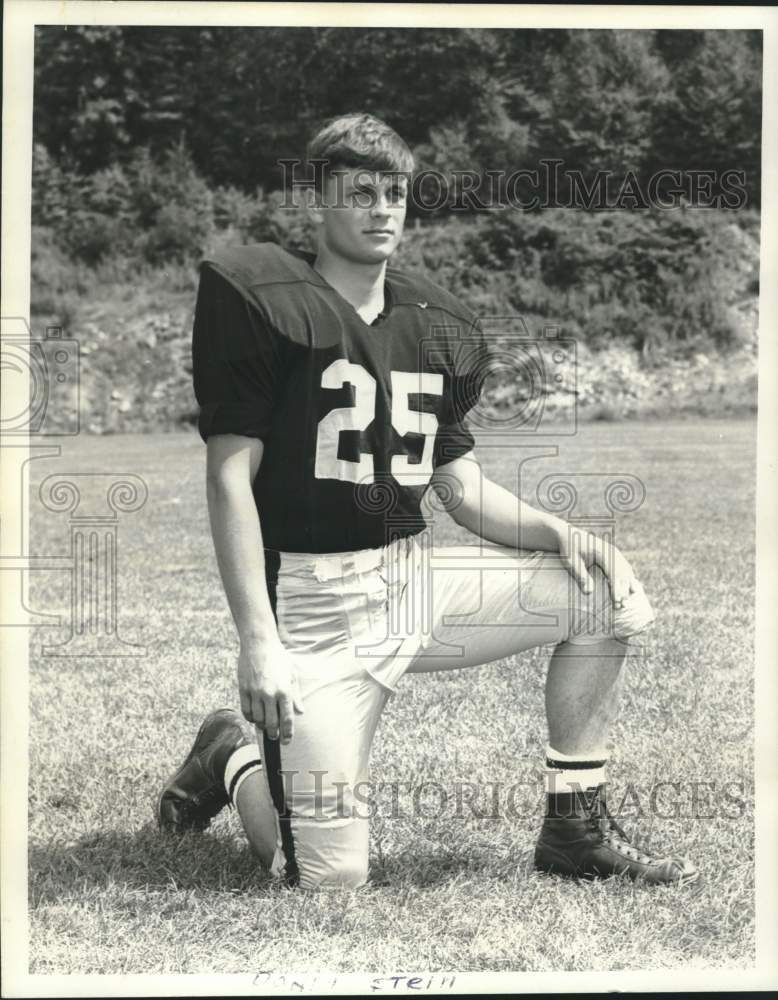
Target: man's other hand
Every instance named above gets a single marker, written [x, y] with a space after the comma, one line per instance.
[269, 695]
[581, 549]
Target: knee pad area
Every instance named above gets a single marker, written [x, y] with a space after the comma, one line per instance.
[596, 618]
[332, 856]
[635, 616]
[331, 845]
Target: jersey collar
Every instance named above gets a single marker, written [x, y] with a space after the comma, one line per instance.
[308, 258]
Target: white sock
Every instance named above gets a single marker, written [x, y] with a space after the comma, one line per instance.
[571, 773]
[242, 763]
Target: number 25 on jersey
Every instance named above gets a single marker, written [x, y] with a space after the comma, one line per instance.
[357, 417]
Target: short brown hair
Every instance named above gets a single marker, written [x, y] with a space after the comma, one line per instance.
[358, 140]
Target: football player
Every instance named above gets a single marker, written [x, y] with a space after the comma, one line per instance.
[333, 391]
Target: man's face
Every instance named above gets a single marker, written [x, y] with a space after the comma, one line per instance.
[361, 214]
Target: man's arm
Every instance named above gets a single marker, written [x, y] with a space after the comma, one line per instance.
[266, 678]
[497, 515]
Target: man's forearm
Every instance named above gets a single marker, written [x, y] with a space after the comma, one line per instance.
[497, 515]
[237, 539]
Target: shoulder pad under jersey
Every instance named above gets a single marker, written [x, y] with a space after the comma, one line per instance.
[262, 264]
[281, 284]
[415, 289]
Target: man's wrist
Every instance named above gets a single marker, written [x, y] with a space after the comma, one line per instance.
[559, 529]
[258, 635]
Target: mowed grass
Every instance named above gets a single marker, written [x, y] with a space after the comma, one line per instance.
[452, 886]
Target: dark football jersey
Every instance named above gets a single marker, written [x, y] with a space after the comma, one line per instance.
[354, 417]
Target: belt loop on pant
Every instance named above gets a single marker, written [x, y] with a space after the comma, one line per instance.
[327, 568]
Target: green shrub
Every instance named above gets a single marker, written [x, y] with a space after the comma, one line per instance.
[50, 190]
[92, 236]
[655, 281]
[58, 284]
[260, 218]
[173, 206]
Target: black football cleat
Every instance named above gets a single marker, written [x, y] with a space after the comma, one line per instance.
[580, 838]
[196, 793]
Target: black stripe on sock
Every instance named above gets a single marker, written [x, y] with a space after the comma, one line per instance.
[575, 765]
[275, 780]
[242, 770]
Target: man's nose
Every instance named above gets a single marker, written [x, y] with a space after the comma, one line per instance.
[379, 206]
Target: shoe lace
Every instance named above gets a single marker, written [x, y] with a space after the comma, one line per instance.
[614, 835]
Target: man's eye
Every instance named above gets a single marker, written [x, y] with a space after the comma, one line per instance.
[362, 196]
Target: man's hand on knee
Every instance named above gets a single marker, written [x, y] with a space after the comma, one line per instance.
[581, 549]
[618, 570]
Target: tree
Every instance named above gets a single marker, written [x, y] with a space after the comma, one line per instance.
[712, 117]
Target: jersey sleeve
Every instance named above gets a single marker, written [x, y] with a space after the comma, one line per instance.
[463, 390]
[237, 361]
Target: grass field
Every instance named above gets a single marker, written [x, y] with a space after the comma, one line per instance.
[447, 891]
